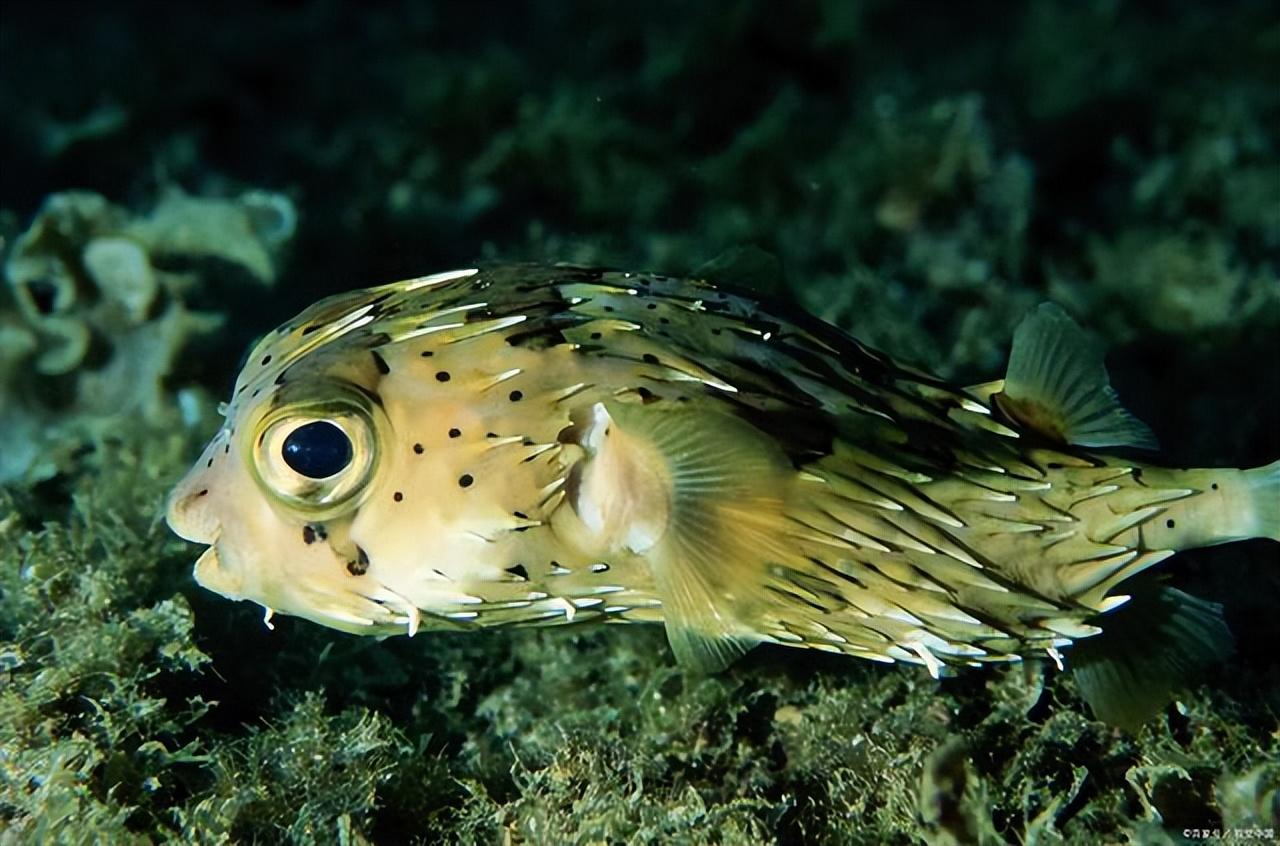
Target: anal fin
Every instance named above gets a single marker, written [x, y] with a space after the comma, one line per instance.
[1150, 648]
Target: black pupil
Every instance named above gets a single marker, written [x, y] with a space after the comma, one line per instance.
[317, 450]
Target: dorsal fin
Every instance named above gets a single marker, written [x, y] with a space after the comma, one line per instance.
[746, 268]
[719, 504]
[1057, 385]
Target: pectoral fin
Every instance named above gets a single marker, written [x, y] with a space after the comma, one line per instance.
[1057, 385]
[698, 494]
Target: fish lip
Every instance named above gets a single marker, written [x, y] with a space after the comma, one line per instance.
[210, 574]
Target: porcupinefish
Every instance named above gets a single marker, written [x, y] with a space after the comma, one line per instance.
[517, 446]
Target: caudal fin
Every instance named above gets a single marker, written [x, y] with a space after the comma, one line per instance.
[1264, 486]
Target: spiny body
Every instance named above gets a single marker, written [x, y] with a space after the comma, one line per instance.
[544, 445]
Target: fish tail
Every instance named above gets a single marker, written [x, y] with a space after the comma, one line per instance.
[1264, 485]
[1222, 505]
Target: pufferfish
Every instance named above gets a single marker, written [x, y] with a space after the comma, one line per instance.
[531, 446]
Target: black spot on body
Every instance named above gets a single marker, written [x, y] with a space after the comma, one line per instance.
[521, 515]
[266, 359]
[398, 496]
[380, 363]
[314, 327]
[1169, 524]
[1214, 486]
[650, 358]
[515, 396]
[455, 433]
[443, 376]
[426, 353]
[595, 336]
[465, 480]
[651, 306]
[518, 571]
[308, 534]
[361, 565]
[418, 449]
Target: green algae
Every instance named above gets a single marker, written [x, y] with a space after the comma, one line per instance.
[921, 194]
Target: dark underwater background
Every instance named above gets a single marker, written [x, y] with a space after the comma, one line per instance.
[177, 179]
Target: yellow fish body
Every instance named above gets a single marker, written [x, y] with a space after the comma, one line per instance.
[542, 445]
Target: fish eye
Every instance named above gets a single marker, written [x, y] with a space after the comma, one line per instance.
[317, 450]
[314, 457]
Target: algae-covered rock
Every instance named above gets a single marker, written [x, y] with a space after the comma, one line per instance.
[248, 231]
[99, 314]
[1179, 284]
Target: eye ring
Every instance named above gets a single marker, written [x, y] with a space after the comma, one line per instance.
[316, 458]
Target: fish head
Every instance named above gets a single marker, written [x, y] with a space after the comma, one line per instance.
[287, 468]
[384, 461]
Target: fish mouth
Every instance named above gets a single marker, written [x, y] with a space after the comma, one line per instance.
[347, 611]
[210, 574]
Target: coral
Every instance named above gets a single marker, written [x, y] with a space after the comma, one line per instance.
[100, 314]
